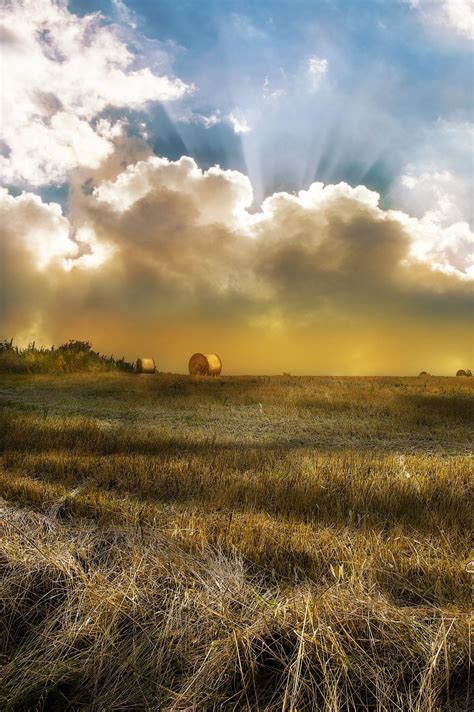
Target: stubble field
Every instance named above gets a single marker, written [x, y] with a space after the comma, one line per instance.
[238, 543]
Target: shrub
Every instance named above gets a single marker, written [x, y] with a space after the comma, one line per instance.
[71, 357]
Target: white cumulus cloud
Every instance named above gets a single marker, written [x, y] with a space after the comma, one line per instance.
[39, 228]
[456, 15]
[436, 185]
[60, 71]
[239, 124]
[217, 195]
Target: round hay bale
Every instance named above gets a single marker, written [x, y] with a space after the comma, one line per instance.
[468, 372]
[424, 373]
[205, 365]
[146, 365]
[461, 372]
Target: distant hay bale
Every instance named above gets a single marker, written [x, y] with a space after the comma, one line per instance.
[146, 365]
[205, 365]
[463, 372]
[424, 373]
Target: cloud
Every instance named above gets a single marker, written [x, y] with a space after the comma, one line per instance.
[270, 94]
[237, 122]
[125, 14]
[60, 72]
[39, 228]
[35, 245]
[218, 196]
[208, 121]
[457, 15]
[437, 183]
[317, 68]
[245, 28]
[440, 195]
[239, 125]
[312, 280]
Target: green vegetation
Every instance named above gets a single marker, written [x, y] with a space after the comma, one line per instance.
[170, 543]
[71, 357]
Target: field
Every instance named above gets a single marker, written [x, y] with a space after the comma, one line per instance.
[238, 543]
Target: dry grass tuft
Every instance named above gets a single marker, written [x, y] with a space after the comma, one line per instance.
[311, 553]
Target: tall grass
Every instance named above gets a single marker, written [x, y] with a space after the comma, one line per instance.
[167, 544]
[70, 357]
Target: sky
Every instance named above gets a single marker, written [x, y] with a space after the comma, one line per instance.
[288, 183]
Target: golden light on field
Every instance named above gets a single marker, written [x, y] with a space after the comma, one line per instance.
[362, 348]
[236, 342]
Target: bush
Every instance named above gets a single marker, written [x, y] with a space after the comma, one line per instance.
[71, 357]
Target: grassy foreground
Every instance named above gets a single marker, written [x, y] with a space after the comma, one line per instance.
[169, 543]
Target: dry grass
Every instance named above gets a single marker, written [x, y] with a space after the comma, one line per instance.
[240, 543]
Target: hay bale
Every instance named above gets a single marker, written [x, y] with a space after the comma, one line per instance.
[424, 373]
[205, 365]
[461, 372]
[146, 365]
